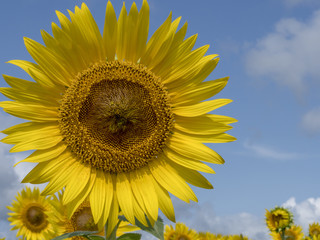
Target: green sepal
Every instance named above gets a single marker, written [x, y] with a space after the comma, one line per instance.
[77, 233]
[157, 230]
[130, 236]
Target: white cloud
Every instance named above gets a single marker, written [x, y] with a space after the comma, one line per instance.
[305, 212]
[311, 121]
[289, 55]
[270, 153]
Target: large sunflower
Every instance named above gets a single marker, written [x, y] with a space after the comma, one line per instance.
[116, 118]
[33, 216]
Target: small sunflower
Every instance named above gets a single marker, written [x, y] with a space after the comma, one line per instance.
[169, 231]
[208, 236]
[237, 237]
[32, 215]
[181, 232]
[82, 219]
[115, 118]
[278, 218]
[292, 233]
[314, 229]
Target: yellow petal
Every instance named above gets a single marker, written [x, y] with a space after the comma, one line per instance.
[156, 41]
[191, 176]
[198, 93]
[121, 34]
[222, 119]
[200, 108]
[211, 138]
[45, 170]
[124, 195]
[130, 40]
[138, 212]
[168, 178]
[86, 31]
[142, 31]
[59, 180]
[36, 73]
[166, 44]
[110, 32]
[174, 57]
[73, 205]
[45, 155]
[30, 131]
[34, 136]
[110, 191]
[98, 196]
[194, 150]
[78, 181]
[186, 66]
[33, 112]
[165, 202]
[142, 184]
[50, 63]
[114, 210]
[186, 162]
[200, 125]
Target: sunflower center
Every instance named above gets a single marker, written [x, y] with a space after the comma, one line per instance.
[115, 116]
[315, 232]
[35, 219]
[84, 220]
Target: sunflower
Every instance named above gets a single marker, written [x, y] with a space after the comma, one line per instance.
[314, 229]
[115, 118]
[32, 215]
[82, 219]
[208, 236]
[278, 219]
[181, 232]
[169, 231]
[292, 233]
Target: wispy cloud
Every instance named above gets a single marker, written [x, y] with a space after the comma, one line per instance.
[269, 152]
[289, 55]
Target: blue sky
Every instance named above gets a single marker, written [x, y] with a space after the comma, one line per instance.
[270, 49]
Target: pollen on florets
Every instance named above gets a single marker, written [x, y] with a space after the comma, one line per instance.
[116, 116]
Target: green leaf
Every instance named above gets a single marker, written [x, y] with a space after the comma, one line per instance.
[130, 236]
[95, 237]
[157, 230]
[72, 234]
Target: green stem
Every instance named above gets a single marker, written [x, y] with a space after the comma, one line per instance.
[113, 235]
[283, 234]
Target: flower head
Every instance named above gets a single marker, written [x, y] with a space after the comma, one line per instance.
[278, 219]
[208, 236]
[115, 118]
[292, 233]
[82, 219]
[314, 229]
[32, 216]
[181, 232]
